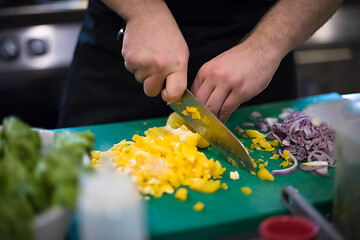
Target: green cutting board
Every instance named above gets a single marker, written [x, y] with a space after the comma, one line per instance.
[227, 212]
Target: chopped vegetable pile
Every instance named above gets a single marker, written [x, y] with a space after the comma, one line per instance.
[301, 138]
[32, 182]
[307, 139]
[162, 161]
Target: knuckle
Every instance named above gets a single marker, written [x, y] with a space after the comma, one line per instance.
[212, 108]
[217, 73]
[131, 59]
[159, 63]
[138, 77]
[181, 61]
[224, 111]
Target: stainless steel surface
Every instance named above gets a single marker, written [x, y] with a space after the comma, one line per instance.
[329, 61]
[59, 39]
[214, 131]
[37, 41]
[51, 7]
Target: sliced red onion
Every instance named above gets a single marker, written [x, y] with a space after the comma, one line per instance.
[255, 115]
[248, 124]
[270, 121]
[262, 126]
[312, 139]
[289, 170]
[285, 112]
[239, 130]
[291, 149]
[285, 142]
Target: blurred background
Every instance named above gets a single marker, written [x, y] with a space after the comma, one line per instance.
[38, 37]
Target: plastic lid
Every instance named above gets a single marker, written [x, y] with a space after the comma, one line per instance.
[288, 227]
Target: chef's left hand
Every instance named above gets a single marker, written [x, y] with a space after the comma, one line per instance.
[234, 77]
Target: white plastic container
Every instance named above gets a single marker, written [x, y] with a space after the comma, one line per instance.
[346, 207]
[344, 116]
[110, 208]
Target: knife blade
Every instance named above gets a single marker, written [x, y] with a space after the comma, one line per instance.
[213, 130]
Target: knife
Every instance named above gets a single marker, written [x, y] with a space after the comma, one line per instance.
[213, 130]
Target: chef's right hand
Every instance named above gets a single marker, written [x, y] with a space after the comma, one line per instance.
[155, 51]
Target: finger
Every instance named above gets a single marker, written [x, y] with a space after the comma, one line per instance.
[130, 67]
[196, 84]
[217, 99]
[231, 103]
[153, 85]
[199, 79]
[204, 92]
[176, 84]
[141, 75]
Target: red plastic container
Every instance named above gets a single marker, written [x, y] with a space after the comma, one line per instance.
[288, 227]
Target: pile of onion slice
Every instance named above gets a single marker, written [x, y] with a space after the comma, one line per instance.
[307, 139]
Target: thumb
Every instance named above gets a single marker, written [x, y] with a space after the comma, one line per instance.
[175, 86]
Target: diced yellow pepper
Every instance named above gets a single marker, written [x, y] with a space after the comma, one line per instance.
[202, 143]
[269, 149]
[255, 164]
[181, 194]
[199, 206]
[286, 155]
[274, 142]
[224, 186]
[191, 109]
[264, 174]
[163, 160]
[95, 155]
[264, 144]
[254, 133]
[246, 190]
[185, 112]
[209, 186]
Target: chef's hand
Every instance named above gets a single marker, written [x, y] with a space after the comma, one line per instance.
[234, 77]
[155, 50]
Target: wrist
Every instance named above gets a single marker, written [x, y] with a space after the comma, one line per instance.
[142, 9]
[262, 47]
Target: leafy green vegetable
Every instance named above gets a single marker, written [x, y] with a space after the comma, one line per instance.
[31, 183]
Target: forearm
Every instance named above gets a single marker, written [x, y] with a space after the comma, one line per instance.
[129, 9]
[291, 22]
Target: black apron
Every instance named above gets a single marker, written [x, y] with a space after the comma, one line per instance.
[101, 90]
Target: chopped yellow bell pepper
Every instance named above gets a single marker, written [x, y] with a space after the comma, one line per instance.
[181, 194]
[175, 121]
[264, 174]
[224, 186]
[254, 133]
[274, 142]
[185, 112]
[209, 186]
[246, 190]
[162, 161]
[199, 206]
[191, 109]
